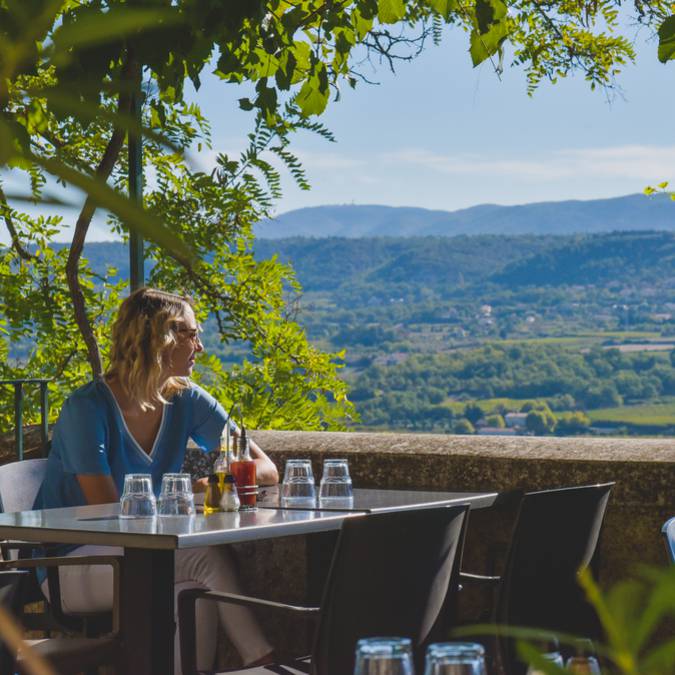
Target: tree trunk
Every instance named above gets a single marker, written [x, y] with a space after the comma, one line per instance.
[103, 172]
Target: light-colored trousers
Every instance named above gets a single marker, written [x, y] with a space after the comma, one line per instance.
[90, 589]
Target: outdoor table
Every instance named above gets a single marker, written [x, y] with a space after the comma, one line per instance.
[370, 500]
[147, 569]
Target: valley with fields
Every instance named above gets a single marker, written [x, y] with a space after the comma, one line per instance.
[505, 334]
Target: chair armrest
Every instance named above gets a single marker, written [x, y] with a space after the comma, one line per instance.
[469, 578]
[72, 560]
[187, 601]
[194, 594]
[21, 546]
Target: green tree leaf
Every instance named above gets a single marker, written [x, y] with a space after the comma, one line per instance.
[667, 40]
[313, 96]
[484, 45]
[390, 11]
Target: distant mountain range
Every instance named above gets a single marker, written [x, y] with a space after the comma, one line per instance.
[631, 212]
[509, 261]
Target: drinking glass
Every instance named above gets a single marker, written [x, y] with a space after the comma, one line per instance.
[176, 498]
[583, 665]
[138, 499]
[336, 483]
[552, 657]
[298, 485]
[384, 656]
[455, 658]
[548, 647]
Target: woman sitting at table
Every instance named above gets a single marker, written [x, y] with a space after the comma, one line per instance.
[137, 418]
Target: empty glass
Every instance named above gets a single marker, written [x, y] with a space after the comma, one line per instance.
[176, 498]
[298, 485]
[583, 665]
[336, 483]
[138, 499]
[584, 661]
[548, 647]
[455, 658]
[384, 656]
[551, 657]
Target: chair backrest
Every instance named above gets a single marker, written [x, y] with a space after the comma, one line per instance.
[19, 484]
[556, 534]
[668, 531]
[392, 574]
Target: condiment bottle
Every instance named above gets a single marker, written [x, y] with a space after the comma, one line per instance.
[244, 472]
[229, 500]
[221, 467]
[212, 497]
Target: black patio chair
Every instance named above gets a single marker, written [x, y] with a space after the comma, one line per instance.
[391, 574]
[67, 655]
[668, 531]
[555, 535]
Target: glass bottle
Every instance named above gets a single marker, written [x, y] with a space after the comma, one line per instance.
[212, 497]
[244, 472]
[229, 500]
[221, 467]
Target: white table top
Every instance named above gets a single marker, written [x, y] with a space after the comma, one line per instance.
[100, 525]
[370, 500]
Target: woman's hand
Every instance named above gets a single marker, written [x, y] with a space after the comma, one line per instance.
[265, 469]
[199, 485]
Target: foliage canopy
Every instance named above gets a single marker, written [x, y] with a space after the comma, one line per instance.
[70, 71]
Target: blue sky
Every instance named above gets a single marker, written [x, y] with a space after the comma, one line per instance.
[440, 134]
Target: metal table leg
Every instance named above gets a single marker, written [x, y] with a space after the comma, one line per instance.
[147, 611]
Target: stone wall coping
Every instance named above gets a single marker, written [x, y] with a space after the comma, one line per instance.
[561, 449]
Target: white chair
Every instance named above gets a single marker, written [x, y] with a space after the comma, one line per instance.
[19, 484]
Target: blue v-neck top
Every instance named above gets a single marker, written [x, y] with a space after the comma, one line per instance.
[91, 437]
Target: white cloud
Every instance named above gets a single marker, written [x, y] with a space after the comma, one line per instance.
[643, 163]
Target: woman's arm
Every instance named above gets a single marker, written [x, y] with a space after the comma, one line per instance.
[98, 488]
[266, 471]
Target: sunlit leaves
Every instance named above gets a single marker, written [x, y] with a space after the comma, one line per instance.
[491, 27]
[667, 40]
[390, 11]
[313, 96]
[443, 7]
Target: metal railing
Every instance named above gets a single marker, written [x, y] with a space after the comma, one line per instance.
[18, 410]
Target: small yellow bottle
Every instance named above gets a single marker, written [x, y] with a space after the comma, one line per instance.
[212, 497]
[221, 467]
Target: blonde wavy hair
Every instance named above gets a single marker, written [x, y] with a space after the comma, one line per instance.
[142, 336]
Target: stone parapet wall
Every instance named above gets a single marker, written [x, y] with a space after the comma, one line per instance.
[643, 470]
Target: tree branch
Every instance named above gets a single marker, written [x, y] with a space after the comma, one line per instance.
[103, 171]
[14, 235]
